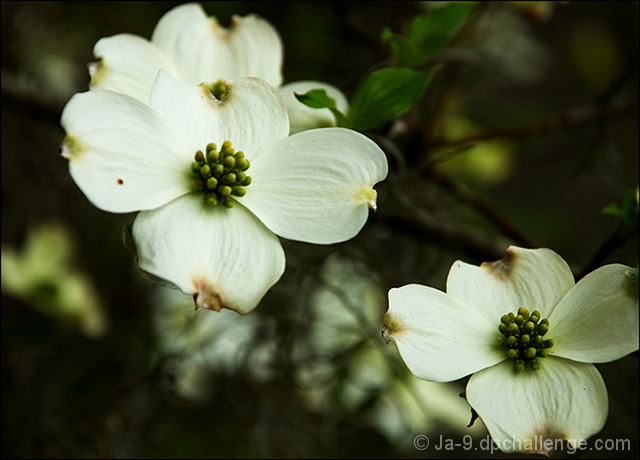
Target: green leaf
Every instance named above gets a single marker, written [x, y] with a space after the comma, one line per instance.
[430, 31]
[386, 94]
[316, 99]
[319, 99]
[404, 51]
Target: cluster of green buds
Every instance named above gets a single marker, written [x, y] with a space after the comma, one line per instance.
[523, 338]
[220, 173]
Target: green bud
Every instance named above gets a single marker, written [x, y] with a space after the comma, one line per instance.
[536, 340]
[241, 163]
[502, 342]
[535, 365]
[545, 321]
[205, 171]
[506, 320]
[199, 157]
[537, 314]
[211, 199]
[519, 365]
[212, 183]
[547, 343]
[229, 162]
[240, 176]
[246, 182]
[542, 329]
[519, 320]
[530, 352]
[524, 313]
[247, 164]
[225, 145]
[503, 328]
[512, 341]
[239, 191]
[195, 167]
[239, 155]
[525, 339]
[227, 203]
[218, 170]
[212, 156]
[529, 327]
[225, 190]
[514, 329]
[513, 353]
[211, 147]
[511, 316]
[542, 353]
[228, 178]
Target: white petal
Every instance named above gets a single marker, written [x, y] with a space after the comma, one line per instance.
[535, 279]
[225, 257]
[122, 154]
[528, 411]
[439, 338]
[206, 52]
[317, 185]
[597, 321]
[302, 117]
[251, 115]
[128, 64]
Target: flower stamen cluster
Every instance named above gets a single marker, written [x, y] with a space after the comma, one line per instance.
[522, 336]
[220, 173]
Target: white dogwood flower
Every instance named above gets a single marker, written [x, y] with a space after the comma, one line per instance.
[528, 334]
[184, 160]
[193, 47]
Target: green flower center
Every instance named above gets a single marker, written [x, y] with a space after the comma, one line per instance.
[220, 174]
[522, 336]
[218, 89]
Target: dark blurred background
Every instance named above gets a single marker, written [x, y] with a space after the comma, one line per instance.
[546, 96]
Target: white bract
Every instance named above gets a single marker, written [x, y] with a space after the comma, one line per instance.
[315, 186]
[528, 392]
[194, 48]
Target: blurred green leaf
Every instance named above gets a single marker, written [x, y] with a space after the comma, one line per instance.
[428, 33]
[627, 214]
[434, 29]
[319, 99]
[405, 52]
[387, 94]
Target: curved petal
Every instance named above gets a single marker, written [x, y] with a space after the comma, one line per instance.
[597, 321]
[225, 257]
[302, 117]
[528, 411]
[535, 279]
[206, 52]
[122, 154]
[317, 185]
[128, 64]
[439, 338]
[251, 115]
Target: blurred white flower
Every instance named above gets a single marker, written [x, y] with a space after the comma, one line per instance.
[345, 364]
[194, 48]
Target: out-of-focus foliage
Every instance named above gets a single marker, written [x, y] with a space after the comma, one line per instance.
[523, 135]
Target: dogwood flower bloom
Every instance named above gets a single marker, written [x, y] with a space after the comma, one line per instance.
[528, 334]
[194, 48]
[184, 160]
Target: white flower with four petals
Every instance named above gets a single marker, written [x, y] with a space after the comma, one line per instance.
[446, 336]
[194, 48]
[315, 186]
